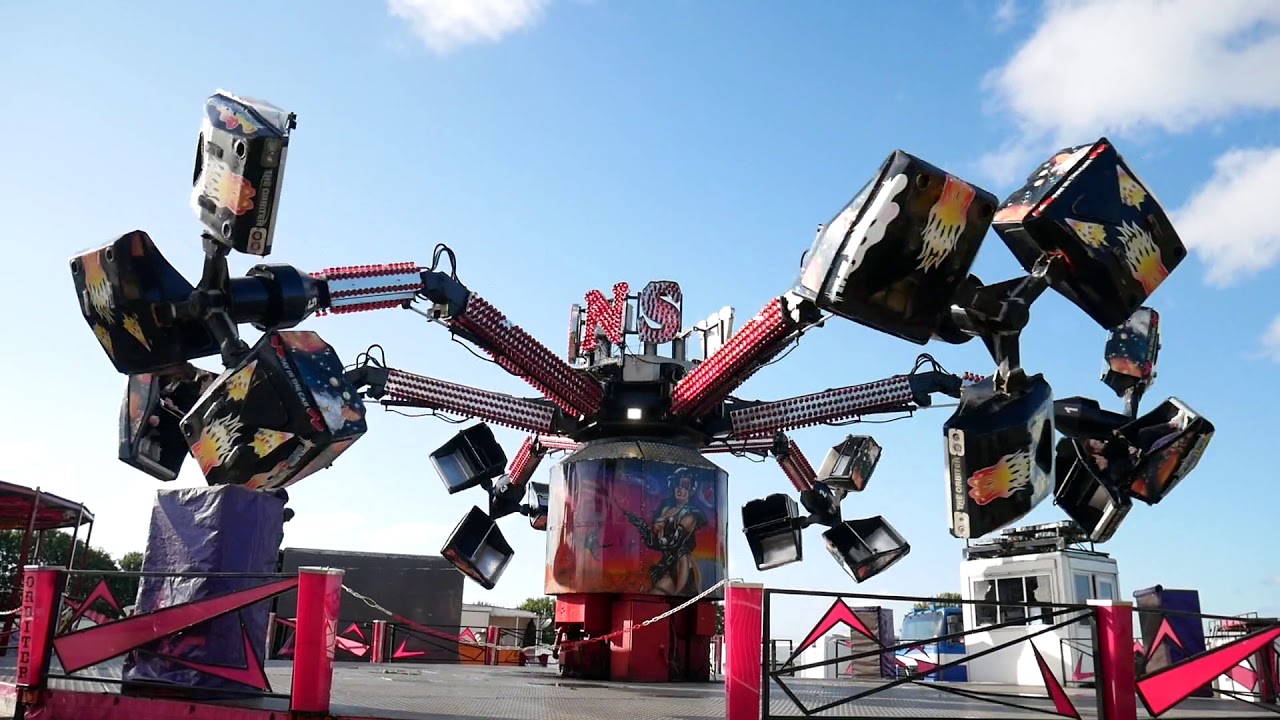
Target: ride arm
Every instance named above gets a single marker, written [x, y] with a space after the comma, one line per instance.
[370, 287]
[397, 388]
[900, 393]
[760, 340]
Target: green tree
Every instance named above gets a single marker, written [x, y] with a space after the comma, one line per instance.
[55, 549]
[546, 609]
[941, 599]
[719, 618]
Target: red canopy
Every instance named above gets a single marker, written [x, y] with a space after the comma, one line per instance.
[53, 512]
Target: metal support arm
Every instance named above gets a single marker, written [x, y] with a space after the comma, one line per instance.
[394, 387]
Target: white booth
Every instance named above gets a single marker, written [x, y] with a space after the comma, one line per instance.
[1052, 563]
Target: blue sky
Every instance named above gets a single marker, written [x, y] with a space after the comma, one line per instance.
[561, 147]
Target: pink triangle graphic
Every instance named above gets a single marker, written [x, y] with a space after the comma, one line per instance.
[1169, 686]
[1061, 702]
[251, 674]
[100, 592]
[402, 653]
[1079, 673]
[354, 629]
[355, 648]
[1165, 631]
[839, 613]
[1243, 675]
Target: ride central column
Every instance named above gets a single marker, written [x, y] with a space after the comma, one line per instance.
[635, 528]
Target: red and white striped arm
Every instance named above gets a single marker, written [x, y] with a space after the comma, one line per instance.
[844, 403]
[795, 465]
[526, 461]
[513, 412]
[760, 340]
[356, 288]
[521, 354]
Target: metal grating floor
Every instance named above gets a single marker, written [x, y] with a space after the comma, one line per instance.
[469, 692]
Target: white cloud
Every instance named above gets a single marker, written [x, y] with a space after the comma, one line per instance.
[446, 25]
[1129, 67]
[1098, 66]
[1230, 222]
[1271, 348]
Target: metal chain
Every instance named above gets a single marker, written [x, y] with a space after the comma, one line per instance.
[7, 613]
[562, 646]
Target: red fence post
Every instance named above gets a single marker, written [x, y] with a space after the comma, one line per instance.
[744, 648]
[37, 620]
[1116, 677]
[316, 634]
[378, 651]
[490, 652]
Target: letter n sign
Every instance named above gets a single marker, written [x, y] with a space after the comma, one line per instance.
[660, 314]
[608, 317]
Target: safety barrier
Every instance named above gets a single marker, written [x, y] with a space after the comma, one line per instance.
[901, 681]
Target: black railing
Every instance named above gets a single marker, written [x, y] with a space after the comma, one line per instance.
[881, 696]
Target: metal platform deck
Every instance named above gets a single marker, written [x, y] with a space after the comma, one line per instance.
[462, 692]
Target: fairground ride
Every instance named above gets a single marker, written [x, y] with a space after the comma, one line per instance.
[636, 515]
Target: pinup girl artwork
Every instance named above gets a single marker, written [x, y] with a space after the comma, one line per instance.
[673, 532]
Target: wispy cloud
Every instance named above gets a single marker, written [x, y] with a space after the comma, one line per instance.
[1085, 72]
[1271, 349]
[447, 25]
[1230, 221]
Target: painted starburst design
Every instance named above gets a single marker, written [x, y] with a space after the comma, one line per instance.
[238, 386]
[134, 328]
[1131, 192]
[1092, 234]
[104, 337]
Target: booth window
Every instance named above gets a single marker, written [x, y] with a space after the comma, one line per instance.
[1095, 587]
[995, 593]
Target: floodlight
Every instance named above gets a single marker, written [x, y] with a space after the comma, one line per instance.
[772, 525]
[470, 458]
[538, 500]
[849, 465]
[477, 548]
[866, 547]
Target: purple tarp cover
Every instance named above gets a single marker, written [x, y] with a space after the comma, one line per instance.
[220, 529]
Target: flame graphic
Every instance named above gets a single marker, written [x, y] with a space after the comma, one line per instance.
[104, 337]
[1131, 193]
[1143, 257]
[232, 119]
[1093, 234]
[265, 441]
[947, 219]
[95, 283]
[216, 442]
[227, 188]
[134, 328]
[238, 386]
[1010, 474]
